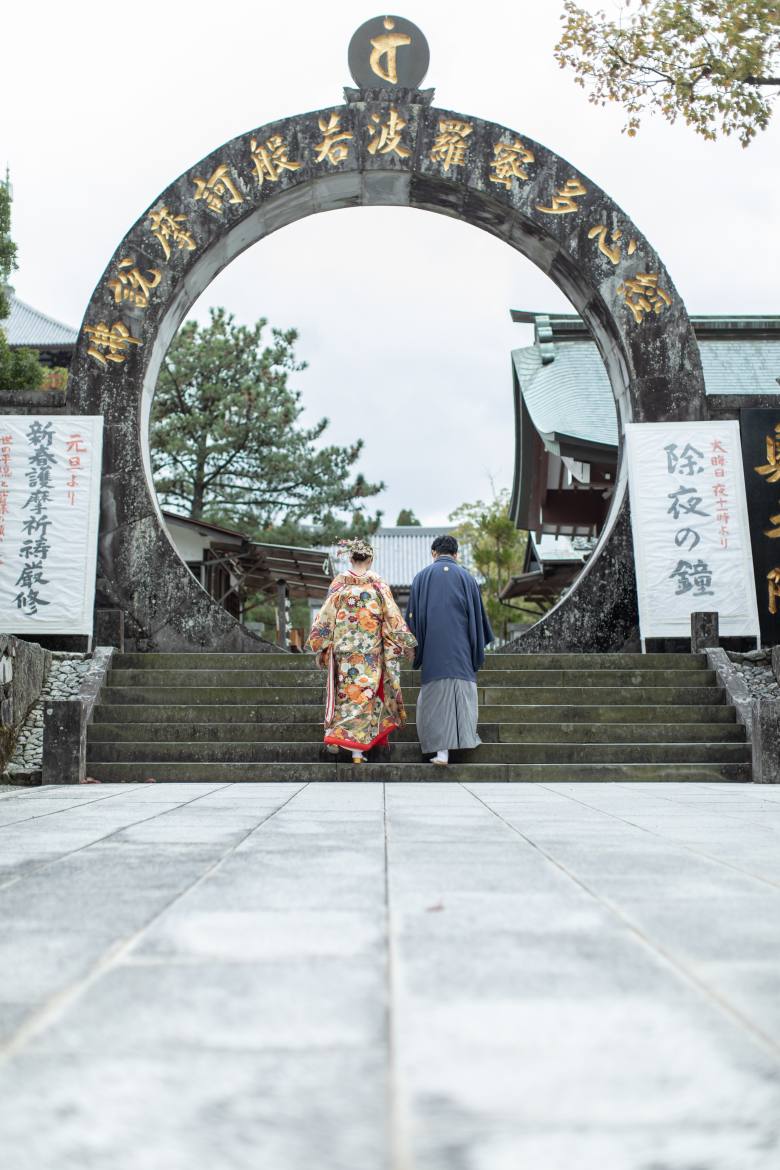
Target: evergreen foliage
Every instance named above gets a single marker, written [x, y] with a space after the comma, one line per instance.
[320, 535]
[227, 443]
[19, 368]
[7, 249]
[407, 519]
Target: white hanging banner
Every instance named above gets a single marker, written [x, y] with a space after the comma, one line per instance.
[690, 527]
[49, 512]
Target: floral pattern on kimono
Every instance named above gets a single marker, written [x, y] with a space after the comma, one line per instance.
[360, 636]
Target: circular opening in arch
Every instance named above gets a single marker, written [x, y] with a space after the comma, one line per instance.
[405, 323]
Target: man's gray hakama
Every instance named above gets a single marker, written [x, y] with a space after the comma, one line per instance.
[448, 619]
[447, 715]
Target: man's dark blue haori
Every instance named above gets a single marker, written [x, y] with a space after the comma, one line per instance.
[447, 617]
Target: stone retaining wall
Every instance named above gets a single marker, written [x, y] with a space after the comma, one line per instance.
[24, 669]
[751, 684]
[63, 682]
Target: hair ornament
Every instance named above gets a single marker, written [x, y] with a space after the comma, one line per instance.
[356, 546]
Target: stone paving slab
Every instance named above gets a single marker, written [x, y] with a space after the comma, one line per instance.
[390, 977]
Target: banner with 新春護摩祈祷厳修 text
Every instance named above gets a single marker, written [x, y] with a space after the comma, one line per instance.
[690, 527]
[49, 512]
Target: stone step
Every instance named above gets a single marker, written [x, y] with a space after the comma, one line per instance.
[489, 732]
[394, 773]
[487, 677]
[167, 712]
[409, 753]
[498, 661]
[490, 696]
[549, 717]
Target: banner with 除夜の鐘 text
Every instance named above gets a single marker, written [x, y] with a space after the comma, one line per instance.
[49, 512]
[690, 527]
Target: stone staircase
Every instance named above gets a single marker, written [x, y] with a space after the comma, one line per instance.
[555, 717]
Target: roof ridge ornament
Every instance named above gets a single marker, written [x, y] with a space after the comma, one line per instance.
[545, 338]
[388, 58]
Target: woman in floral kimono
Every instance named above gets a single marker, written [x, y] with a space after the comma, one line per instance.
[360, 638]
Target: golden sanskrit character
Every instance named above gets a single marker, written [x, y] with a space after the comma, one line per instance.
[774, 532]
[110, 343]
[386, 136]
[270, 158]
[643, 294]
[564, 201]
[131, 285]
[387, 45]
[510, 161]
[449, 145]
[612, 251]
[218, 188]
[333, 148]
[771, 469]
[773, 580]
[169, 229]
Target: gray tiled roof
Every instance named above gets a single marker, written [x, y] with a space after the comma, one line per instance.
[401, 552]
[571, 395]
[27, 326]
[741, 367]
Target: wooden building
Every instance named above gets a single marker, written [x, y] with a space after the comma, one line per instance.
[566, 427]
[234, 570]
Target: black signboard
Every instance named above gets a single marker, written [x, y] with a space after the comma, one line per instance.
[761, 460]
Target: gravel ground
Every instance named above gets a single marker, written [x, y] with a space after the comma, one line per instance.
[755, 667]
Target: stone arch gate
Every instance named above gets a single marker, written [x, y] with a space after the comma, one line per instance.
[387, 147]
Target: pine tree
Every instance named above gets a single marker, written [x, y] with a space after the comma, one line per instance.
[19, 368]
[7, 247]
[227, 443]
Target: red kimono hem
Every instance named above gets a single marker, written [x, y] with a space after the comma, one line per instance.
[362, 747]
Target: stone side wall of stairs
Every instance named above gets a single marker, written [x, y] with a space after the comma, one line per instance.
[557, 717]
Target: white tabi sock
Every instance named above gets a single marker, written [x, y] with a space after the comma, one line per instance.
[358, 757]
[443, 756]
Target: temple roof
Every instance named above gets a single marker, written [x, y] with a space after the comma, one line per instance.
[400, 552]
[740, 366]
[570, 395]
[27, 326]
[566, 389]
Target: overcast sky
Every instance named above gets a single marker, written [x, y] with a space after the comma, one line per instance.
[103, 106]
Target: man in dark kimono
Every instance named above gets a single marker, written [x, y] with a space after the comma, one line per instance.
[447, 617]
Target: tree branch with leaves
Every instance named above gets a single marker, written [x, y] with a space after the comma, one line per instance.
[713, 63]
[497, 550]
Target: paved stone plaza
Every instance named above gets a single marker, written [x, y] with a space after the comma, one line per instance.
[400, 977]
